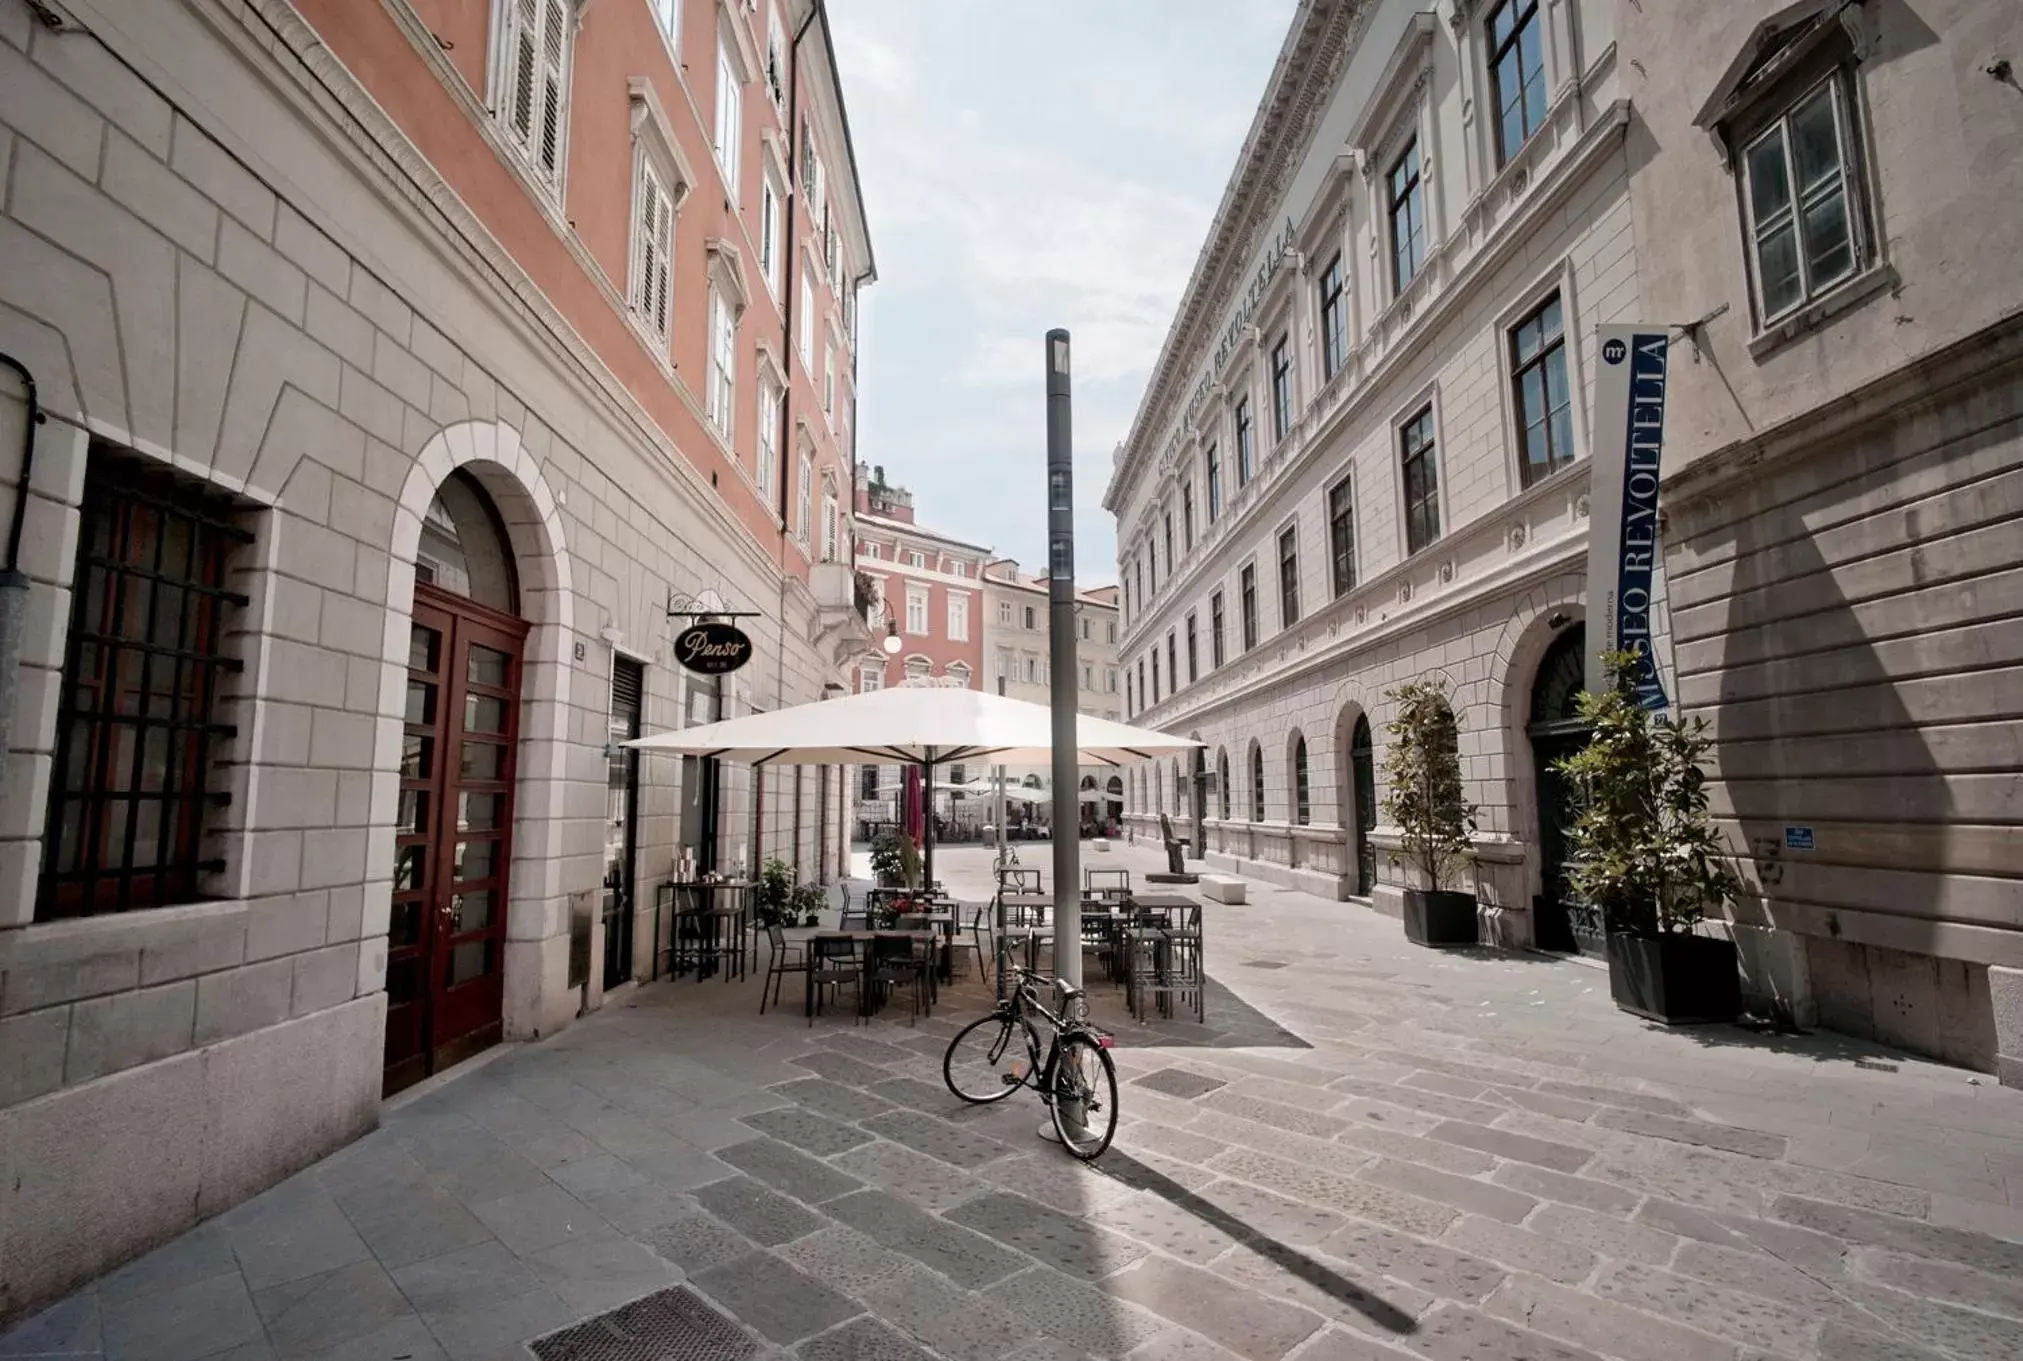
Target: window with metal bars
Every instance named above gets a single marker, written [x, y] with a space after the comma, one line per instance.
[136, 729]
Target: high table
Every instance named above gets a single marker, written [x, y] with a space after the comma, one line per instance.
[708, 926]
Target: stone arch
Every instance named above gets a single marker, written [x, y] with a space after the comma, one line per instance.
[537, 999]
[1297, 772]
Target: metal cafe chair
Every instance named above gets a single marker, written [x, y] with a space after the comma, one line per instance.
[788, 956]
[896, 960]
[832, 963]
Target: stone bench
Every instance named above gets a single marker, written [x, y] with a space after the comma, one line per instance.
[1222, 888]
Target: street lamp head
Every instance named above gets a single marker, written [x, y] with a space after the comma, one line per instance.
[892, 643]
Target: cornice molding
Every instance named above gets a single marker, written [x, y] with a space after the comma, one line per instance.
[1292, 103]
[649, 123]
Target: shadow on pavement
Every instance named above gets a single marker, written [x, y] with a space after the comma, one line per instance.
[1128, 1170]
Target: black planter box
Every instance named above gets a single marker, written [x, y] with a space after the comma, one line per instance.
[1680, 980]
[1439, 919]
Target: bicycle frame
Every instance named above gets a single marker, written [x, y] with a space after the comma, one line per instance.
[1040, 1077]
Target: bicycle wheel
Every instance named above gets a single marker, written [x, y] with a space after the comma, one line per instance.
[1085, 1081]
[988, 1057]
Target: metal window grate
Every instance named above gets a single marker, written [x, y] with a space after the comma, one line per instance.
[668, 1325]
[142, 664]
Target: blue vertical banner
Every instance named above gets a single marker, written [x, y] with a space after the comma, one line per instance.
[1624, 558]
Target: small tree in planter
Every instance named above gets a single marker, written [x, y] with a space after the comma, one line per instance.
[1646, 855]
[1422, 769]
[774, 902]
[895, 860]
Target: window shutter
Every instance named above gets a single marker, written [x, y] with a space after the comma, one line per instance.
[655, 222]
[521, 22]
[554, 39]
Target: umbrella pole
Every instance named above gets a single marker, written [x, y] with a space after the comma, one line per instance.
[998, 937]
[927, 823]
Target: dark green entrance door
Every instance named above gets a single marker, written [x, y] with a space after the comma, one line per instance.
[1561, 921]
[1363, 771]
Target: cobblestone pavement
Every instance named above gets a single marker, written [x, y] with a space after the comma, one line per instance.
[1370, 1152]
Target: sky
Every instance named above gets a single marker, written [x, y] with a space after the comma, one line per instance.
[1028, 164]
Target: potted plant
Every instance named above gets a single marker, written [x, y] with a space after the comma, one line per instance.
[1422, 767]
[895, 860]
[1646, 855]
[808, 902]
[773, 903]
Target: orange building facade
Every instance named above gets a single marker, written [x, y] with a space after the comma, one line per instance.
[389, 383]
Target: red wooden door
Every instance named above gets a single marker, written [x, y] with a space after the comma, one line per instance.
[453, 838]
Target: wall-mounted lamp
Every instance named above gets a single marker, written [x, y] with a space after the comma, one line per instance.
[1557, 620]
[892, 642]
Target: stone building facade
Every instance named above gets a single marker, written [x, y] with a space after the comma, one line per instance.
[1845, 476]
[401, 371]
[1362, 456]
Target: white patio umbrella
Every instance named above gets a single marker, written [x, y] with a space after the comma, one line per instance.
[927, 725]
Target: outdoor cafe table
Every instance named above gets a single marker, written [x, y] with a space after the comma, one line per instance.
[860, 938]
[714, 912]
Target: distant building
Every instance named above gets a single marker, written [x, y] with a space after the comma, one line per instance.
[927, 589]
[1017, 650]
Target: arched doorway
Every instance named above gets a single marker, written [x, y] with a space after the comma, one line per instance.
[1560, 921]
[1200, 787]
[1363, 777]
[453, 838]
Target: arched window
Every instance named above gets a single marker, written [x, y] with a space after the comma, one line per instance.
[1222, 780]
[959, 671]
[463, 546]
[1302, 807]
[1256, 783]
[1158, 793]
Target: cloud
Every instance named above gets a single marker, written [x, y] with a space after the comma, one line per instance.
[1047, 163]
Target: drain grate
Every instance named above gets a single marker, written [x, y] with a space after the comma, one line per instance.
[668, 1325]
[1264, 964]
[1181, 1083]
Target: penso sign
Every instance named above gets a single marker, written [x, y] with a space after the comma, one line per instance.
[712, 649]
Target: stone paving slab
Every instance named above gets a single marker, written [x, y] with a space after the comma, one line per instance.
[1372, 1153]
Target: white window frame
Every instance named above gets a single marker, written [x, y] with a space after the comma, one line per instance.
[1853, 203]
[829, 381]
[723, 363]
[916, 611]
[959, 671]
[1004, 614]
[728, 131]
[667, 18]
[870, 676]
[958, 617]
[771, 237]
[652, 253]
[775, 59]
[805, 499]
[768, 442]
[832, 521]
[656, 155]
[505, 73]
[805, 324]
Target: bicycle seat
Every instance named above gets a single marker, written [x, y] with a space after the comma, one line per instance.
[1069, 992]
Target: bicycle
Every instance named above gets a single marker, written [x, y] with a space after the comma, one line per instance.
[980, 1068]
[1007, 859]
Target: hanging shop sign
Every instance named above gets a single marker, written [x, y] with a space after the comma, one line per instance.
[712, 648]
[1625, 572]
